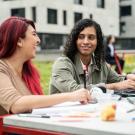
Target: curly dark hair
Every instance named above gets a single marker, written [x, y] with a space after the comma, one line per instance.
[70, 48]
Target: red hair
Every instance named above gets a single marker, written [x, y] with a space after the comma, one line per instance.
[10, 32]
[32, 78]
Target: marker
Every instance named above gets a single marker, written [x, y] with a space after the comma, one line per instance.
[33, 115]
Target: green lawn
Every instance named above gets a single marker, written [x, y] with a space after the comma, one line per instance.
[130, 63]
[129, 68]
[45, 71]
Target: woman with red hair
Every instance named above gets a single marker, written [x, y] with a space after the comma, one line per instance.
[20, 89]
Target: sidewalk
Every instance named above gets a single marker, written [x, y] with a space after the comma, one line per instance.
[48, 55]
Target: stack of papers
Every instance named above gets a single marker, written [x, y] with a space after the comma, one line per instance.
[66, 108]
[74, 111]
[69, 112]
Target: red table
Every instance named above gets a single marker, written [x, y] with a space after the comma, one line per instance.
[5, 129]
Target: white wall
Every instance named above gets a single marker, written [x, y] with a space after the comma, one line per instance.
[129, 20]
[108, 18]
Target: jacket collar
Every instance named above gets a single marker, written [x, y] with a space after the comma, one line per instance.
[92, 66]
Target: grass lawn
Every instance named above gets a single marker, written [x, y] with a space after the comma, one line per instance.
[130, 63]
[44, 68]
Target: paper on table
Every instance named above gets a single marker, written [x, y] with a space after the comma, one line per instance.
[66, 108]
[124, 106]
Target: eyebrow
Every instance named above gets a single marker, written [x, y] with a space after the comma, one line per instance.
[33, 31]
[87, 34]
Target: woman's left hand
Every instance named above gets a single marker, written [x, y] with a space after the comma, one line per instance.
[131, 76]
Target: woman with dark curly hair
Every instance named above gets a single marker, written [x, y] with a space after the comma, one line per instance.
[84, 49]
[71, 48]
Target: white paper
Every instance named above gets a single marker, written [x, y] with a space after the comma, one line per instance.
[66, 108]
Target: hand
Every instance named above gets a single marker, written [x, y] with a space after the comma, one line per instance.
[131, 76]
[81, 95]
[125, 84]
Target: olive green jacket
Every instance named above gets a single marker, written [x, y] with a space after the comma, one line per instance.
[68, 76]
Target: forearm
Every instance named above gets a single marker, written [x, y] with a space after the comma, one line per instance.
[112, 86]
[27, 103]
[123, 85]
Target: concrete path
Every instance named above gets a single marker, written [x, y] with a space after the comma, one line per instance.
[48, 55]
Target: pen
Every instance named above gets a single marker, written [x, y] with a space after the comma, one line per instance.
[119, 98]
[130, 100]
[131, 110]
[84, 72]
[34, 115]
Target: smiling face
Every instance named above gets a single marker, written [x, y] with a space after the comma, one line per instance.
[29, 43]
[87, 41]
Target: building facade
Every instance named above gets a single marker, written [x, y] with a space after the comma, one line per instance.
[127, 24]
[54, 19]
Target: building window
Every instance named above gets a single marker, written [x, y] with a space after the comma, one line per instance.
[126, 43]
[101, 3]
[52, 41]
[64, 17]
[18, 12]
[122, 27]
[125, 0]
[125, 10]
[91, 16]
[77, 16]
[34, 18]
[80, 2]
[52, 16]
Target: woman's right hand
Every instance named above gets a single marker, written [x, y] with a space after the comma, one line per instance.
[122, 85]
[82, 95]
